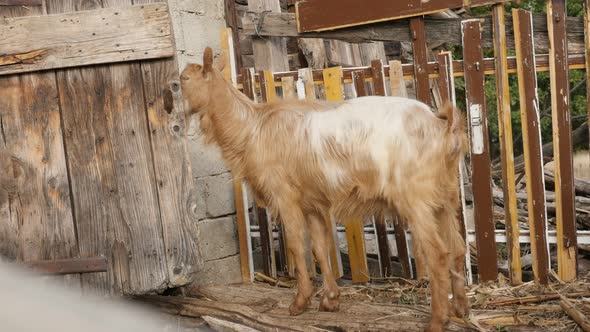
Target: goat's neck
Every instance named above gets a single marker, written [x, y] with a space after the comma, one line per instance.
[234, 120]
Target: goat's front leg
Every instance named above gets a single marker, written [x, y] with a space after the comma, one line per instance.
[294, 225]
[319, 234]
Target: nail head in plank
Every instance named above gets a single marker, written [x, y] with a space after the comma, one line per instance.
[562, 142]
[529, 110]
[506, 146]
[480, 155]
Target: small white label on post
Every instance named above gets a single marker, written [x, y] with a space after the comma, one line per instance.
[476, 129]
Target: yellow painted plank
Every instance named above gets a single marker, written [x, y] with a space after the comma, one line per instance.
[271, 93]
[333, 84]
[506, 145]
[355, 237]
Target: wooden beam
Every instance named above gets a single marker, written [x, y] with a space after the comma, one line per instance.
[506, 146]
[529, 111]
[20, 3]
[85, 38]
[320, 15]
[419, 49]
[562, 142]
[480, 151]
[69, 266]
[439, 31]
[232, 22]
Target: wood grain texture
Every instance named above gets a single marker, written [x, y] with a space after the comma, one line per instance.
[20, 3]
[83, 38]
[271, 52]
[562, 143]
[36, 220]
[113, 181]
[587, 54]
[480, 159]
[439, 31]
[319, 15]
[506, 146]
[419, 49]
[529, 112]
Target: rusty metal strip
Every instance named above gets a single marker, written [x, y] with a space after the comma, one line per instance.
[506, 146]
[480, 151]
[529, 111]
[69, 266]
[562, 141]
[418, 33]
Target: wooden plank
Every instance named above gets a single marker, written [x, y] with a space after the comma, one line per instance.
[420, 60]
[232, 21]
[84, 38]
[439, 31]
[562, 142]
[245, 241]
[288, 86]
[480, 152]
[320, 15]
[396, 79]
[69, 266]
[36, 213]
[506, 146]
[270, 52]
[527, 86]
[447, 88]
[332, 78]
[359, 83]
[306, 75]
[587, 53]
[268, 94]
[166, 122]
[20, 3]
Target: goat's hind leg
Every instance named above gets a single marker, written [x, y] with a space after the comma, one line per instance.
[449, 228]
[423, 226]
[319, 234]
[294, 225]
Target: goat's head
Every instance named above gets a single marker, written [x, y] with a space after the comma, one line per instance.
[198, 80]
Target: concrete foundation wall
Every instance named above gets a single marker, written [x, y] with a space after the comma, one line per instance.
[197, 24]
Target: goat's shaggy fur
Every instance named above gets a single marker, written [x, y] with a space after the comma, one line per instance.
[309, 160]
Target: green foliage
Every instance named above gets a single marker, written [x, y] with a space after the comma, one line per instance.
[578, 100]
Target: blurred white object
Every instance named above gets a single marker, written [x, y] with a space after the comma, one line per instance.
[29, 303]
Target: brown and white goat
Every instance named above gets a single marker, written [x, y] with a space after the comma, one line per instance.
[306, 160]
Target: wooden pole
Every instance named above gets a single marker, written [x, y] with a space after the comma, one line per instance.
[529, 111]
[418, 34]
[506, 146]
[562, 142]
[480, 152]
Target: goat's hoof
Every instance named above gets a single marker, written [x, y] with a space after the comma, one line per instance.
[296, 310]
[329, 304]
[460, 308]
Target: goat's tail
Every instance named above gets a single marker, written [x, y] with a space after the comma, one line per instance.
[455, 131]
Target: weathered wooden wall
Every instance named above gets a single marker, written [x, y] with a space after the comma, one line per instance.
[96, 160]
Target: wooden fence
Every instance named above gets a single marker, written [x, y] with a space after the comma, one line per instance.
[388, 79]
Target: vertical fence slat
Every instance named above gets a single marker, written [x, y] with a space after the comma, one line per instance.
[487, 265]
[287, 83]
[418, 33]
[447, 93]
[562, 141]
[306, 75]
[397, 86]
[587, 53]
[529, 111]
[334, 91]
[506, 146]
[268, 94]
[358, 79]
[355, 234]
[241, 200]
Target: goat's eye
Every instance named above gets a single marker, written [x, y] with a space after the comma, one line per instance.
[184, 77]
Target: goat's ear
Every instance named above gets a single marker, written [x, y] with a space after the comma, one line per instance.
[221, 60]
[207, 60]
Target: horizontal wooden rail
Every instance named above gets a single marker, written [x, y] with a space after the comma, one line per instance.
[69, 266]
[575, 61]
